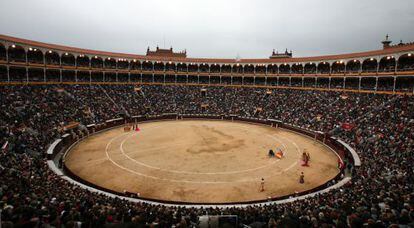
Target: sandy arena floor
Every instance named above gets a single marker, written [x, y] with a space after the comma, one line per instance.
[201, 161]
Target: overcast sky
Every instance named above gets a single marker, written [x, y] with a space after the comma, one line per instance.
[213, 28]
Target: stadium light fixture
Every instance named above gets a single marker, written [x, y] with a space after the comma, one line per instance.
[409, 54]
[13, 46]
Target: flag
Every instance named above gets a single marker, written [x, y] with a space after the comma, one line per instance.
[5, 146]
[347, 126]
[340, 164]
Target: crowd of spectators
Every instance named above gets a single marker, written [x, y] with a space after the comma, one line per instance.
[31, 117]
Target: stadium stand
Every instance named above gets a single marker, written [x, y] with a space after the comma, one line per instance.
[380, 194]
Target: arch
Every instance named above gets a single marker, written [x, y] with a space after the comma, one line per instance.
[248, 69]
[110, 63]
[96, 62]
[17, 53]
[284, 69]
[297, 68]
[52, 58]
[272, 68]
[237, 68]
[387, 64]
[369, 65]
[203, 67]
[406, 62]
[159, 66]
[226, 68]
[122, 64]
[135, 64]
[215, 68]
[192, 67]
[338, 67]
[310, 68]
[170, 66]
[82, 61]
[3, 52]
[147, 65]
[34, 55]
[324, 68]
[68, 59]
[353, 66]
[181, 67]
[260, 69]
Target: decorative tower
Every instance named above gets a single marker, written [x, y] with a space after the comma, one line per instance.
[386, 43]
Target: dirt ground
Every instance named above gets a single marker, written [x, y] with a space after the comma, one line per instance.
[201, 161]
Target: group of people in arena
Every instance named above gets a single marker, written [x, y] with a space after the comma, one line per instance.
[380, 194]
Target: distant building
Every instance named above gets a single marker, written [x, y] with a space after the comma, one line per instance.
[166, 53]
[277, 55]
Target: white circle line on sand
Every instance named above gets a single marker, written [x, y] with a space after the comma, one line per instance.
[188, 181]
[121, 147]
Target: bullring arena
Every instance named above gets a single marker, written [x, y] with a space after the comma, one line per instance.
[201, 161]
[92, 138]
